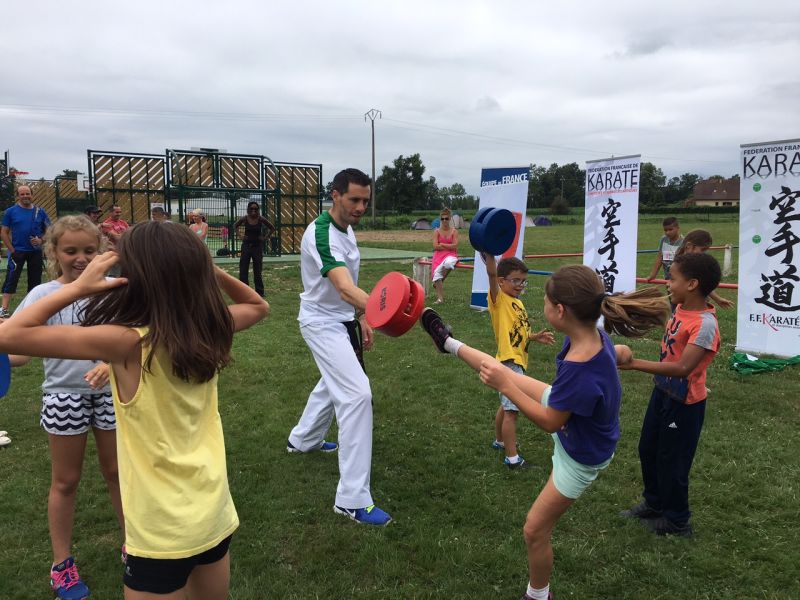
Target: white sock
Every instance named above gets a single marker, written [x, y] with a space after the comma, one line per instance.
[513, 459]
[452, 345]
[540, 594]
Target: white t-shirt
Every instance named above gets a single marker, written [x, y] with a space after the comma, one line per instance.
[63, 375]
[324, 246]
[668, 250]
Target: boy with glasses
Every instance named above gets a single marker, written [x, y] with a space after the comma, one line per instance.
[513, 333]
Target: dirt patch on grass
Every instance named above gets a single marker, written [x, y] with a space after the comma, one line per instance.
[393, 236]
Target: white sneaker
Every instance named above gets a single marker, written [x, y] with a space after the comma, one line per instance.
[4, 440]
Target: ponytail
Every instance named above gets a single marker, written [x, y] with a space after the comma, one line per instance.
[633, 314]
[581, 291]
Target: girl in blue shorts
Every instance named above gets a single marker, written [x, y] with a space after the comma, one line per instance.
[76, 398]
[163, 367]
[581, 407]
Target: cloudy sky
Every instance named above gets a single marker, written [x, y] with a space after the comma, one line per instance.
[466, 84]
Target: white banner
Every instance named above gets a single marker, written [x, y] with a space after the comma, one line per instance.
[82, 182]
[768, 312]
[612, 220]
[500, 188]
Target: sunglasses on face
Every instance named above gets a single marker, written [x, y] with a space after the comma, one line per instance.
[517, 282]
[445, 218]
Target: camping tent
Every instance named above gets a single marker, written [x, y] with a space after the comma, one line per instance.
[421, 224]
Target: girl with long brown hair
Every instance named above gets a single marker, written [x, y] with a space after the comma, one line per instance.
[581, 407]
[164, 364]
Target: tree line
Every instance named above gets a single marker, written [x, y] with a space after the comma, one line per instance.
[402, 188]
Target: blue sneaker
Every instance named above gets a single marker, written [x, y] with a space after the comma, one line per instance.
[498, 445]
[323, 447]
[371, 515]
[66, 582]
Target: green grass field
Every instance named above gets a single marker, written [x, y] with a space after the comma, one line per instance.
[458, 512]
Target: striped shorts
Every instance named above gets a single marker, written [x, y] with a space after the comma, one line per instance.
[74, 414]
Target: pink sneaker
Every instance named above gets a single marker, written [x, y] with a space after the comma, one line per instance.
[66, 582]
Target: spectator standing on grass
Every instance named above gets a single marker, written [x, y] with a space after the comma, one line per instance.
[23, 228]
[93, 214]
[581, 407]
[333, 325]
[668, 245]
[199, 225]
[513, 334]
[114, 226]
[157, 213]
[445, 252]
[674, 417]
[256, 231]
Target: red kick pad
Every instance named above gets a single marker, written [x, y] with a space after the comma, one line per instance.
[395, 304]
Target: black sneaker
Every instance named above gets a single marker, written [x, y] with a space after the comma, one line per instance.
[522, 464]
[640, 511]
[434, 326]
[663, 526]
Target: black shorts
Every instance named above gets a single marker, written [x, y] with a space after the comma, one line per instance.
[164, 576]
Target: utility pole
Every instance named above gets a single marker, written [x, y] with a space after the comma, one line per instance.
[372, 114]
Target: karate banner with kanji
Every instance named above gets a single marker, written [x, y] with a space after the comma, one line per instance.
[612, 220]
[768, 312]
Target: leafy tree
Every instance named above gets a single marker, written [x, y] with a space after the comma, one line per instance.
[69, 174]
[431, 194]
[651, 185]
[400, 187]
[679, 189]
[547, 184]
[560, 206]
[327, 194]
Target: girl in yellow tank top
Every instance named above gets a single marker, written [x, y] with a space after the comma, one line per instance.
[179, 515]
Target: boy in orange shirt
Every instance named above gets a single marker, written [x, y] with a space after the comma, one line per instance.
[674, 417]
[512, 331]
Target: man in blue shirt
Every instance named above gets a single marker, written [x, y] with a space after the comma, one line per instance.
[22, 232]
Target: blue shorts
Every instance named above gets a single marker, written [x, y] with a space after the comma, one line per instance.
[505, 402]
[570, 477]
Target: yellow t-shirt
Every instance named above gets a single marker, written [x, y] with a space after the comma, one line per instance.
[512, 329]
[172, 472]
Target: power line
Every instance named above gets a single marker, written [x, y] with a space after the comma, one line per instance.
[517, 142]
[224, 116]
[255, 117]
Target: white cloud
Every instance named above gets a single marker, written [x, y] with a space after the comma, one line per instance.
[465, 84]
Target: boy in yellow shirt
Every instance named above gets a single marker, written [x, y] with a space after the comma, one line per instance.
[512, 331]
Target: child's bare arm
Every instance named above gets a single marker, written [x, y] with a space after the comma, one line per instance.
[526, 394]
[248, 307]
[656, 266]
[18, 360]
[720, 301]
[691, 357]
[491, 272]
[543, 337]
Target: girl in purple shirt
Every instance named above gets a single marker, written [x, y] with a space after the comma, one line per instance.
[581, 407]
